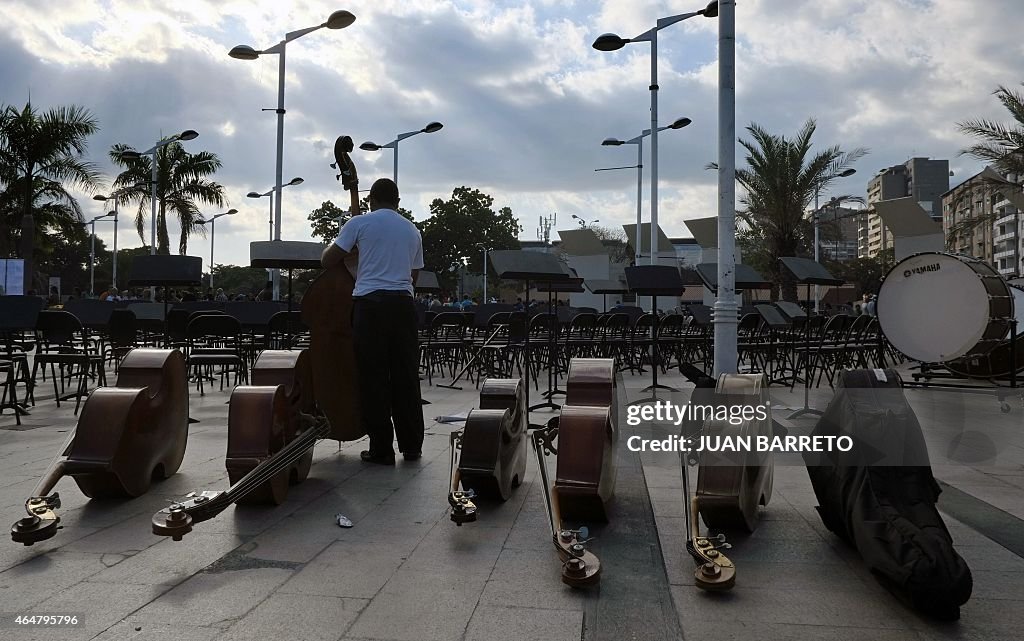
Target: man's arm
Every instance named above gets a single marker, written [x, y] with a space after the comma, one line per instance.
[333, 255]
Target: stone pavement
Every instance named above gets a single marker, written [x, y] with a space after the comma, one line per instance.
[405, 572]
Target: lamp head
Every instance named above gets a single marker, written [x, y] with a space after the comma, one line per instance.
[609, 42]
[612, 142]
[432, 127]
[369, 146]
[231, 212]
[340, 20]
[847, 172]
[131, 154]
[680, 123]
[710, 11]
[99, 197]
[253, 194]
[188, 134]
[296, 181]
[244, 52]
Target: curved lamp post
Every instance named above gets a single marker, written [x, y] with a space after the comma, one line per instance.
[612, 42]
[188, 134]
[212, 221]
[337, 20]
[372, 146]
[679, 123]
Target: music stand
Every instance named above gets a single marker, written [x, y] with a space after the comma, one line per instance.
[605, 287]
[776, 322]
[654, 281]
[160, 270]
[426, 282]
[808, 272]
[528, 266]
[571, 286]
[286, 254]
[746, 277]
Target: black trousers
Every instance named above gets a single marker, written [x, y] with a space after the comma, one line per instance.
[387, 355]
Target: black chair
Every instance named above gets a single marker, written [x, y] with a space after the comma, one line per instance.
[287, 331]
[62, 342]
[215, 340]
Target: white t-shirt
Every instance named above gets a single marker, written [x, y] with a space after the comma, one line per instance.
[390, 247]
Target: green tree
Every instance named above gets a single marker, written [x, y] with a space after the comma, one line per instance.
[458, 226]
[41, 153]
[325, 218]
[182, 184]
[238, 280]
[780, 181]
[1002, 146]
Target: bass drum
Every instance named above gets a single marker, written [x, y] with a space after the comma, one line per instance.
[936, 308]
[996, 363]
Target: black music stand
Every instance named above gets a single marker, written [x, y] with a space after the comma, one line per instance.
[426, 282]
[776, 322]
[160, 270]
[571, 286]
[605, 287]
[285, 254]
[654, 281]
[746, 277]
[808, 272]
[528, 266]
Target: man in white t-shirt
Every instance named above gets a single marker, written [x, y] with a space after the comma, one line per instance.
[390, 252]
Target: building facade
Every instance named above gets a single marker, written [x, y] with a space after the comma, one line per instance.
[924, 179]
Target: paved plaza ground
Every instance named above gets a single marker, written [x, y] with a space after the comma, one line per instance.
[406, 572]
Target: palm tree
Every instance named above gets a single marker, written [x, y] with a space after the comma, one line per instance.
[1002, 146]
[181, 184]
[41, 154]
[780, 182]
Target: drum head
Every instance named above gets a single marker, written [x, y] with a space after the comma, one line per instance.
[933, 307]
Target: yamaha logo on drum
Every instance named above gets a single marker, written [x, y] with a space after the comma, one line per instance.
[934, 267]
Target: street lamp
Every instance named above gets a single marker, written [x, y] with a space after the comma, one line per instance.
[585, 223]
[274, 273]
[212, 221]
[372, 146]
[612, 42]
[92, 252]
[679, 123]
[815, 219]
[485, 249]
[114, 196]
[270, 192]
[337, 20]
[188, 134]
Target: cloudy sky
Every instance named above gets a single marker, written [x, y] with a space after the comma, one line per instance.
[524, 98]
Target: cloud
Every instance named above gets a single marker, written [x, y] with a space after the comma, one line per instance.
[524, 98]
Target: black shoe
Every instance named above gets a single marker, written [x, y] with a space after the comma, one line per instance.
[380, 459]
[413, 456]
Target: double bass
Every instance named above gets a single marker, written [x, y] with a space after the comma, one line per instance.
[489, 453]
[127, 436]
[730, 485]
[583, 439]
[297, 398]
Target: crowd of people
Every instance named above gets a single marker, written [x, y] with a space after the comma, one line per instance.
[173, 295]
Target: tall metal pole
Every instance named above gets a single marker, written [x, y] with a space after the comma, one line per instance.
[92, 260]
[815, 220]
[152, 201]
[213, 229]
[725, 318]
[654, 147]
[639, 195]
[485, 276]
[114, 264]
[279, 171]
[395, 172]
